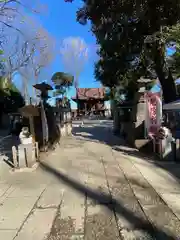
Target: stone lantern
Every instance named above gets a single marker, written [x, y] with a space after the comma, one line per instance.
[43, 88]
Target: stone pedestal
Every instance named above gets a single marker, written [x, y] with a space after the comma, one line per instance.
[166, 149]
[69, 129]
[25, 155]
[66, 130]
[64, 122]
[63, 131]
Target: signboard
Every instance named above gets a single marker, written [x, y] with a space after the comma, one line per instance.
[29, 111]
[153, 114]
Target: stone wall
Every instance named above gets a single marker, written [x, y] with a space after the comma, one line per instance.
[125, 126]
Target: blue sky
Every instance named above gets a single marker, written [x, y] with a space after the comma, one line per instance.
[61, 23]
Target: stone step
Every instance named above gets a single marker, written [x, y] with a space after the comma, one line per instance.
[144, 145]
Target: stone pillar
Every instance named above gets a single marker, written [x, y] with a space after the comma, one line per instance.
[116, 120]
[25, 156]
[66, 127]
[139, 124]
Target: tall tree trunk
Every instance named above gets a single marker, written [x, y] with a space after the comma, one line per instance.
[158, 50]
[116, 120]
[164, 75]
[131, 125]
[167, 84]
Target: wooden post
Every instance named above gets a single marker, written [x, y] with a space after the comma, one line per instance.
[37, 151]
[15, 157]
[32, 130]
[25, 157]
[77, 99]
[31, 122]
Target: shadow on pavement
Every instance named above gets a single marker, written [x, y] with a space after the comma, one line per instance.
[109, 202]
[101, 133]
[104, 135]
[6, 143]
[172, 167]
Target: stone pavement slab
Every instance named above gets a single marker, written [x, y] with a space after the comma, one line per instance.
[4, 188]
[38, 225]
[7, 234]
[100, 224]
[6, 194]
[173, 201]
[134, 192]
[131, 221]
[73, 209]
[13, 211]
[25, 191]
[51, 197]
[69, 220]
[158, 213]
[86, 190]
[163, 183]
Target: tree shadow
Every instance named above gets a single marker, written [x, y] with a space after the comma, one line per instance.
[101, 133]
[6, 144]
[173, 168]
[108, 201]
[105, 135]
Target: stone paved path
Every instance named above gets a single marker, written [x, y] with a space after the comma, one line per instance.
[87, 190]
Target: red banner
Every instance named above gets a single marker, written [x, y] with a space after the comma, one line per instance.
[153, 113]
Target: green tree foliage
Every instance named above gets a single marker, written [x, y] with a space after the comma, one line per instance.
[62, 79]
[121, 28]
[59, 91]
[10, 98]
[172, 38]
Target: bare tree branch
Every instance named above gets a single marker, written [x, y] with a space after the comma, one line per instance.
[74, 54]
[12, 11]
[26, 52]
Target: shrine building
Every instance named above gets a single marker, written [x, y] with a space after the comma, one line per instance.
[90, 100]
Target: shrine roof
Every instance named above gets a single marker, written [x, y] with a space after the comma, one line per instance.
[87, 93]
